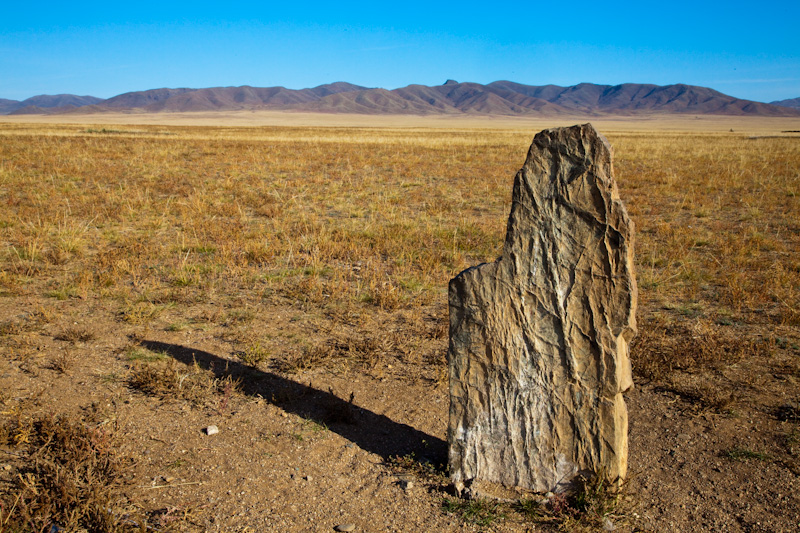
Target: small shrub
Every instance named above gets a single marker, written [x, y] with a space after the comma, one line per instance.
[177, 381]
[595, 498]
[662, 347]
[63, 293]
[10, 328]
[421, 469]
[63, 361]
[143, 312]
[75, 335]
[253, 355]
[70, 476]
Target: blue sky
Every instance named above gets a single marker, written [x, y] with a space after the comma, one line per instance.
[745, 49]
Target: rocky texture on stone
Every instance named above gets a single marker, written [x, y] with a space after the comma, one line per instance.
[538, 356]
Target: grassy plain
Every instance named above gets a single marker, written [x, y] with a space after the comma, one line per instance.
[296, 251]
[261, 118]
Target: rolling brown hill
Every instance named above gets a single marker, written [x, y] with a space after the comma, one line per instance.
[498, 98]
[224, 98]
[637, 97]
[60, 100]
[140, 99]
[369, 101]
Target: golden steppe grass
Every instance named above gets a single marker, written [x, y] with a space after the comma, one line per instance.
[343, 217]
[352, 223]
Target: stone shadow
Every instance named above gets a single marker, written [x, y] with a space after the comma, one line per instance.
[368, 430]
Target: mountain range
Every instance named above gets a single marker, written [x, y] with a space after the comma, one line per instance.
[497, 98]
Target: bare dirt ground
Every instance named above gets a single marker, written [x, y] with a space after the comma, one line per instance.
[332, 405]
[294, 454]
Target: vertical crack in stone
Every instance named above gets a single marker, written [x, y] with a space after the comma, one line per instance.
[538, 355]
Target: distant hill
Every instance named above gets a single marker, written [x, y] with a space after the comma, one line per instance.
[791, 102]
[60, 100]
[224, 98]
[497, 98]
[6, 106]
[140, 99]
[48, 102]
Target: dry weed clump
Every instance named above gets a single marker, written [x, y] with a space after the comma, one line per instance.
[74, 335]
[662, 347]
[168, 379]
[63, 361]
[67, 475]
[10, 328]
[253, 354]
[348, 351]
[595, 505]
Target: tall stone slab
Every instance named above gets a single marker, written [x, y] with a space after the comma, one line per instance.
[538, 356]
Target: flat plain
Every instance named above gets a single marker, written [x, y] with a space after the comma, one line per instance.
[283, 276]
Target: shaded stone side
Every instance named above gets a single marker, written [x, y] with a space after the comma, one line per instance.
[538, 356]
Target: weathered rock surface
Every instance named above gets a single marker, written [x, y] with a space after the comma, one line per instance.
[538, 355]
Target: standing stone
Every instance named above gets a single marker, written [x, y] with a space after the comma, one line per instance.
[538, 355]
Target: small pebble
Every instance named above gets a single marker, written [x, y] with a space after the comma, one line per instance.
[211, 430]
[345, 527]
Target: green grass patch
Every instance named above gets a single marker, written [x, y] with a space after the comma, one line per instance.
[479, 512]
[145, 355]
[743, 454]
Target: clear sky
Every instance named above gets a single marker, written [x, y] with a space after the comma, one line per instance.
[745, 49]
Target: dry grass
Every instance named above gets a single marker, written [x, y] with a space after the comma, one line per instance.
[76, 335]
[68, 476]
[163, 122]
[338, 218]
[170, 380]
[358, 230]
[317, 222]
